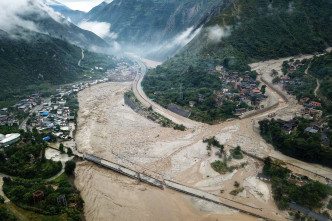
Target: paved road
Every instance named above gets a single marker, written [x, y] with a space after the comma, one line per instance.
[141, 96]
[23, 125]
[79, 62]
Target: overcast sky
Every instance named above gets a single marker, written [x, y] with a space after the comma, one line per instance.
[83, 5]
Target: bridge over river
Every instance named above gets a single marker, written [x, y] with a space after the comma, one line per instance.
[166, 183]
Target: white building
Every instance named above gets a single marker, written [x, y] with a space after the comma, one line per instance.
[9, 139]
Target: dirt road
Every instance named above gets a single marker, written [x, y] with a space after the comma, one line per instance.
[317, 87]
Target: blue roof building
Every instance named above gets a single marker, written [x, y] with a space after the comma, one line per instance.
[44, 114]
[46, 138]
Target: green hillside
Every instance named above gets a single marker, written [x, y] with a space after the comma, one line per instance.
[252, 30]
[34, 65]
[321, 68]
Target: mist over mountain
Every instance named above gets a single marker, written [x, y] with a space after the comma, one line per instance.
[40, 48]
[155, 27]
[34, 15]
[74, 16]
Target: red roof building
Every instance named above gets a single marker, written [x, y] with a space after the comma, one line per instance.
[316, 104]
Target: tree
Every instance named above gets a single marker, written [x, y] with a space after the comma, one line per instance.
[6, 215]
[2, 157]
[2, 200]
[222, 148]
[61, 148]
[276, 80]
[43, 154]
[263, 88]
[274, 72]
[69, 152]
[70, 167]
[236, 184]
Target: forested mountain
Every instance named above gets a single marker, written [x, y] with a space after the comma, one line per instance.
[247, 31]
[37, 16]
[56, 26]
[152, 21]
[165, 24]
[35, 61]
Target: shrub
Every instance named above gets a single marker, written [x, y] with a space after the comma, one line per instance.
[70, 167]
[2, 200]
[69, 152]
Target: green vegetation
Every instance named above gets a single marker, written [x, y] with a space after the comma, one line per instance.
[21, 191]
[236, 153]
[61, 148]
[70, 167]
[284, 190]
[236, 191]
[9, 129]
[321, 68]
[212, 141]
[298, 144]
[27, 161]
[150, 114]
[38, 65]
[163, 85]
[6, 215]
[222, 167]
[305, 84]
[258, 30]
[2, 200]
[69, 152]
[329, 206]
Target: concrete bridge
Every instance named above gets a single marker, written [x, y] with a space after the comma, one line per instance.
[164, 183]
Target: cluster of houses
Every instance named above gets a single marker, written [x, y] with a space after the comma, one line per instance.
[27, 104]
[123, 72]
[80, 86]
[53, 116]
[7, 117]
[314, 128]
[8, 114]
[289, 84]
[310, 109]
[240, 88]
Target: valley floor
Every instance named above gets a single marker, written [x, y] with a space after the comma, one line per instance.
[111, 130]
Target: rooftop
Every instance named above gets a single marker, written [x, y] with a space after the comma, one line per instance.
[10, 137]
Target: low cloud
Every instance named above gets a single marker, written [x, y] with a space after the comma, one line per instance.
[178, 41]
[13, 16]
[184, 38]
[102, 29]
[216, 33]
[10, 18]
